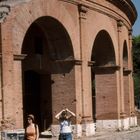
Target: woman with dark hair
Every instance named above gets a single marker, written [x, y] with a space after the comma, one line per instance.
[31, 131]
[64, 118]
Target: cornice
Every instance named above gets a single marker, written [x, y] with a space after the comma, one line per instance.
[127, 7]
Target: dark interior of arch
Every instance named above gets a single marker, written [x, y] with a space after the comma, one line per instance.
[47, 38]
[125, 55]
[103, 50]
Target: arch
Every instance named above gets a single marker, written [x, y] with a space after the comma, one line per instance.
[59, 73]
[125, 55]
[58, 43]
[21, 23]
[48, 73]
[126, 79]
[104, 89]
[104, 49]
[47, 67]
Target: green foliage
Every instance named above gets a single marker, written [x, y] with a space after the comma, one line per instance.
[136, 64]
[136, 53]
[136, 40]
[137, 84]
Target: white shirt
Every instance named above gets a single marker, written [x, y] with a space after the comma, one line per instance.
[65, 126]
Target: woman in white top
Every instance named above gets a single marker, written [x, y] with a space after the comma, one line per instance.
[64, 118]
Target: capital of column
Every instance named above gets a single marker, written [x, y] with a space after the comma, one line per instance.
[130, 34]
[127, 71]
[91, 63]
[86, 119]
[104, 69]
[133, 113]
[20, 56]
[17, 56]
[78, 62]
[115, 67]
[119, 24]
[82, 11]
[123, 115]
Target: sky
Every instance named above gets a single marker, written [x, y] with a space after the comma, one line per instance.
[136, 26]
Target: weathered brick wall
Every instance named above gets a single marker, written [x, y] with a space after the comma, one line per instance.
[127, 97]
[106, 95]
[72, 88]
[63, 92]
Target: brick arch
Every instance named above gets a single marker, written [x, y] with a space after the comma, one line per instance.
[59, 84]
[27, 14]
[49, 53]
[104, 86]
[103, 50]
[56, 42]
[109, 29]
[125, 55]
[126, 80]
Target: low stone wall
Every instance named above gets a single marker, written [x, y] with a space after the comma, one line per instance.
[17, 134]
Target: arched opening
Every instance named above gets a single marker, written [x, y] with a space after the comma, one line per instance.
[49, 56]
[125, 56]
[126, 72]
[104, 91]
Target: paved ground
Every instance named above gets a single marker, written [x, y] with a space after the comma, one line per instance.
[131, 134]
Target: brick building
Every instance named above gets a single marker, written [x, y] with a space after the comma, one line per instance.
[67, 53]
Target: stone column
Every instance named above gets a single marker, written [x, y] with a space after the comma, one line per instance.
[87, 120]
[106, 97]
[1, 105]
[127, 96]
[78, 126]
[122, 113]
[133, 118]
[7, 74]
[18, 93]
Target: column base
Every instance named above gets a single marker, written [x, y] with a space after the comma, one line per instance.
[133, 121]
[88, 129]
[55, 130]
[77, 130]
[108, 124]
[120, 124]
[125, 124]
